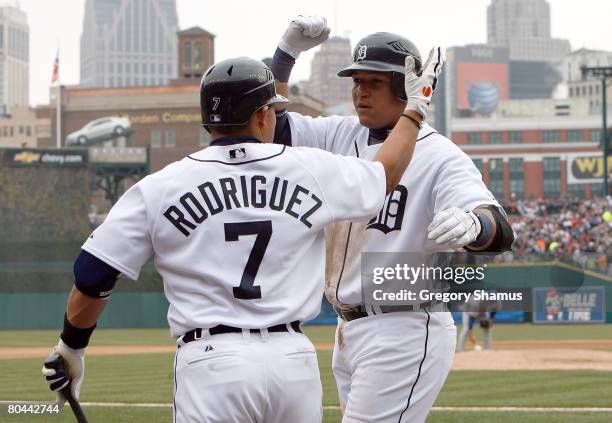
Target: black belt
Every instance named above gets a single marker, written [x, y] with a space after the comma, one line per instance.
[195, 334]
[349, 313]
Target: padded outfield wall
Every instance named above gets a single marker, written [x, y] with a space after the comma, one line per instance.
[33, 294]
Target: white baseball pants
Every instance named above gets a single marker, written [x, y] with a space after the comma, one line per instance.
[248, 378]
[391, 367]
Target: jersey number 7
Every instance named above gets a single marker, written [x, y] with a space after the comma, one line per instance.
[263, 229]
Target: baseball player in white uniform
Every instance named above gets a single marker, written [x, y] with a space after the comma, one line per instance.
[390, 362]
[237, 234]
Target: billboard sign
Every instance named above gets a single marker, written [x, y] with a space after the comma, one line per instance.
[586, 169]
[583, 305]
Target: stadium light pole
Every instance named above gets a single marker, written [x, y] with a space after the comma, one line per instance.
[604, 72]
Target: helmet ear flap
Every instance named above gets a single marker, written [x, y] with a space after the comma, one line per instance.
[397, 86]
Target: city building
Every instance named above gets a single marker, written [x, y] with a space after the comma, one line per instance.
[165, 118]
[129, 43]
[535, 157]
[477, 78]
[14, 57]
[196, 53]
[524, 27]
[324, 83]
[21, 128]
[580, 87]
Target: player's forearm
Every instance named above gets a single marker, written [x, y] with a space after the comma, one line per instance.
[83, 311]
[396, 152]
[282, 88]
[281, 66]
[483, 244]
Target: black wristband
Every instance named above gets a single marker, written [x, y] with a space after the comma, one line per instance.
[416, 122]
[281, 66]
[75, 337]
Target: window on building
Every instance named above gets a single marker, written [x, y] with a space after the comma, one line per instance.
[28, 131]
[590, 90]
[496, 177]
[187, 54]
[516, 137]
[597, 89]
[495, 138]
[552, 177]
[155, 138]
[595, 135]
[474, 138]
[170, 141]
[584, 90]
[574, 136]
[517, 178]
[197, 54]
[597, 190]
[552, 136]
[571, 91]
[575, 190]
[204, 138]
[20, 130]
[10, 131]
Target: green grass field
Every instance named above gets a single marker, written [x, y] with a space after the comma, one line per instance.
[148, 378]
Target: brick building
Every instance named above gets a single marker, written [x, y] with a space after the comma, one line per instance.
[544, 157]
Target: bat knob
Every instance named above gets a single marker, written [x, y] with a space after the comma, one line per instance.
[55, 362]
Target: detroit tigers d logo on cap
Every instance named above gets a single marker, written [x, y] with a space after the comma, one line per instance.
[361, 52]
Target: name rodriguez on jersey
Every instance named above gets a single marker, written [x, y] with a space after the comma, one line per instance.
[208, 199]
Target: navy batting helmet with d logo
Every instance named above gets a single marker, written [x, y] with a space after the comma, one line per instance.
[384, 52]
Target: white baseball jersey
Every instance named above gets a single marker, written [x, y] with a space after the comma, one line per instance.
[440, 176]
[237, 230]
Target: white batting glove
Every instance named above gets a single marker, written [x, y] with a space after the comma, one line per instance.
[74, 360]
[454, 228]
[419, 89]
[304, 33]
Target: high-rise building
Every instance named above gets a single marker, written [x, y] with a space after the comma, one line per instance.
[324, 83]
[14, 57]
[129, 43]
[524, 27]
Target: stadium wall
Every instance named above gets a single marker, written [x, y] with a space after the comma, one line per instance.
[34, 297]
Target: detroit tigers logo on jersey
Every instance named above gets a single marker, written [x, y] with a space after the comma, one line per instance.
[361, 52]
[392, 214]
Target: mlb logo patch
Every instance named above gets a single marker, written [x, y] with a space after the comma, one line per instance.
[215, 118]
[237, 153]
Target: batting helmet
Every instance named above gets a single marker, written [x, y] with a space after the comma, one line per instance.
[384, 52]
[233, 89]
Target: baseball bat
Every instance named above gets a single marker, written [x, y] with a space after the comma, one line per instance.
[56, 362]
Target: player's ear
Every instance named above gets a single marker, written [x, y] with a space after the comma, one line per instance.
[261, 116]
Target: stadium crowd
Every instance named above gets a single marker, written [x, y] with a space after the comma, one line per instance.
[578, 231]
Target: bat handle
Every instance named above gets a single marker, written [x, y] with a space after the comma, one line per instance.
[74, 404]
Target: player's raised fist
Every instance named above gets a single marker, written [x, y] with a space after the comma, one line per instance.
[420, 88]
[304, 33]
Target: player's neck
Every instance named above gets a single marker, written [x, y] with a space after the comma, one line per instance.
[233, 139]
